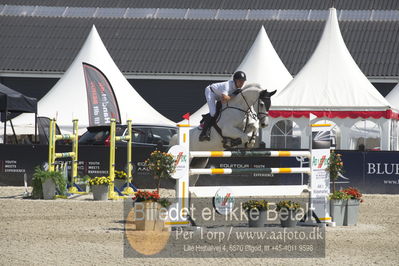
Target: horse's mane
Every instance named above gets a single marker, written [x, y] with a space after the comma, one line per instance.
[251, 85]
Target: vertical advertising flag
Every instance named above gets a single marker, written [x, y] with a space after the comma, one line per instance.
[101, 99]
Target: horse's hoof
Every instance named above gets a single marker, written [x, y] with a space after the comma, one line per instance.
[204, 138]
[227, 144]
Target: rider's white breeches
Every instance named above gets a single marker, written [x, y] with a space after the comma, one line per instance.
[211, 99]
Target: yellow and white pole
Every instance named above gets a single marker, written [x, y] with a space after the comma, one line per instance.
[128, 189]
[129, 150]
[75, 151]
[111, 192]
[50, 146]
[182, 184]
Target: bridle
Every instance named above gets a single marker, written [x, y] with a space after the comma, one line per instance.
[258, 115]
[248, 112]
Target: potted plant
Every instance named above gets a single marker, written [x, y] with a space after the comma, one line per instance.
[149, 210]
[46, 184]
[352, 207]
[100, 187]
[256, 210]
[335, 167]
[338, 201]
[120, 179]
[161, 164]
[288, 211]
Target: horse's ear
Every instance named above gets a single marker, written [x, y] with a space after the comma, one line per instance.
[272, 93]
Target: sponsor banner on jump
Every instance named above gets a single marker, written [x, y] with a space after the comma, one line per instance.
[320, 179]
[100, 97]
[181, 167]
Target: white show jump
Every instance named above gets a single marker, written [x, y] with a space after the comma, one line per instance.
[318, 186]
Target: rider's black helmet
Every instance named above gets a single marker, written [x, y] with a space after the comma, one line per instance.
[239, 75]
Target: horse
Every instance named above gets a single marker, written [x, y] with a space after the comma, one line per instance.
[239, 122]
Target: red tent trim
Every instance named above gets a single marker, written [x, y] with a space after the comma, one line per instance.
[388, 114]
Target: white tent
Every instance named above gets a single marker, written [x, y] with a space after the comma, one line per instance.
[393, 99]
[68, 98]
[262, 65]
[393, 96]
[332, 87]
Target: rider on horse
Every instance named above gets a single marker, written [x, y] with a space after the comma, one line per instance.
[219, 92]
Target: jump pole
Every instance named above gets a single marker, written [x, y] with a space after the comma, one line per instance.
[318, 186]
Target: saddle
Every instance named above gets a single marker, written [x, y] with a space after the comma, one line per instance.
[207, 122]
[216, 118]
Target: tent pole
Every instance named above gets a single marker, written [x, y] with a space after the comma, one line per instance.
[35, 127]
[5, 123]
[4, 133]
[13, 131]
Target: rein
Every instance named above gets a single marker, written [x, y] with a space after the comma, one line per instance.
[247, 112]
[254, 115]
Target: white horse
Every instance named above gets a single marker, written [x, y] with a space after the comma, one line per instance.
[239, 122]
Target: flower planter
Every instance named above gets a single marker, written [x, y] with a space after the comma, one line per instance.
[147, 216]
[256, 218]
[337, 211]
[352, 211]
[288, 218]
[100, 192]
[49, 189]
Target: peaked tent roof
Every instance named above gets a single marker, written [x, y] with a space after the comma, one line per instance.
[393, 97]
[330, 82]
[262, 65]
[68, 98]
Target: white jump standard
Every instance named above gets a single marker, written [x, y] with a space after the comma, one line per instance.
[318, 186]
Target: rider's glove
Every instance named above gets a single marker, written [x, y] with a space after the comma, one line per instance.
[237, 91]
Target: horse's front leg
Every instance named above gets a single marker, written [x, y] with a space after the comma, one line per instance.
[252, 140]
[252, 130]
[235, 133]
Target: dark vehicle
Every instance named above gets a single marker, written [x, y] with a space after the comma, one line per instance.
[143, 135]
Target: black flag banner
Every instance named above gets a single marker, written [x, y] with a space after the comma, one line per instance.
[100, 97]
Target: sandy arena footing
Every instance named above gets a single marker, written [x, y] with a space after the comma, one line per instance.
[85, 232]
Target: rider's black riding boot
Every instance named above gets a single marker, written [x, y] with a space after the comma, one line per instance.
[206, 130]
